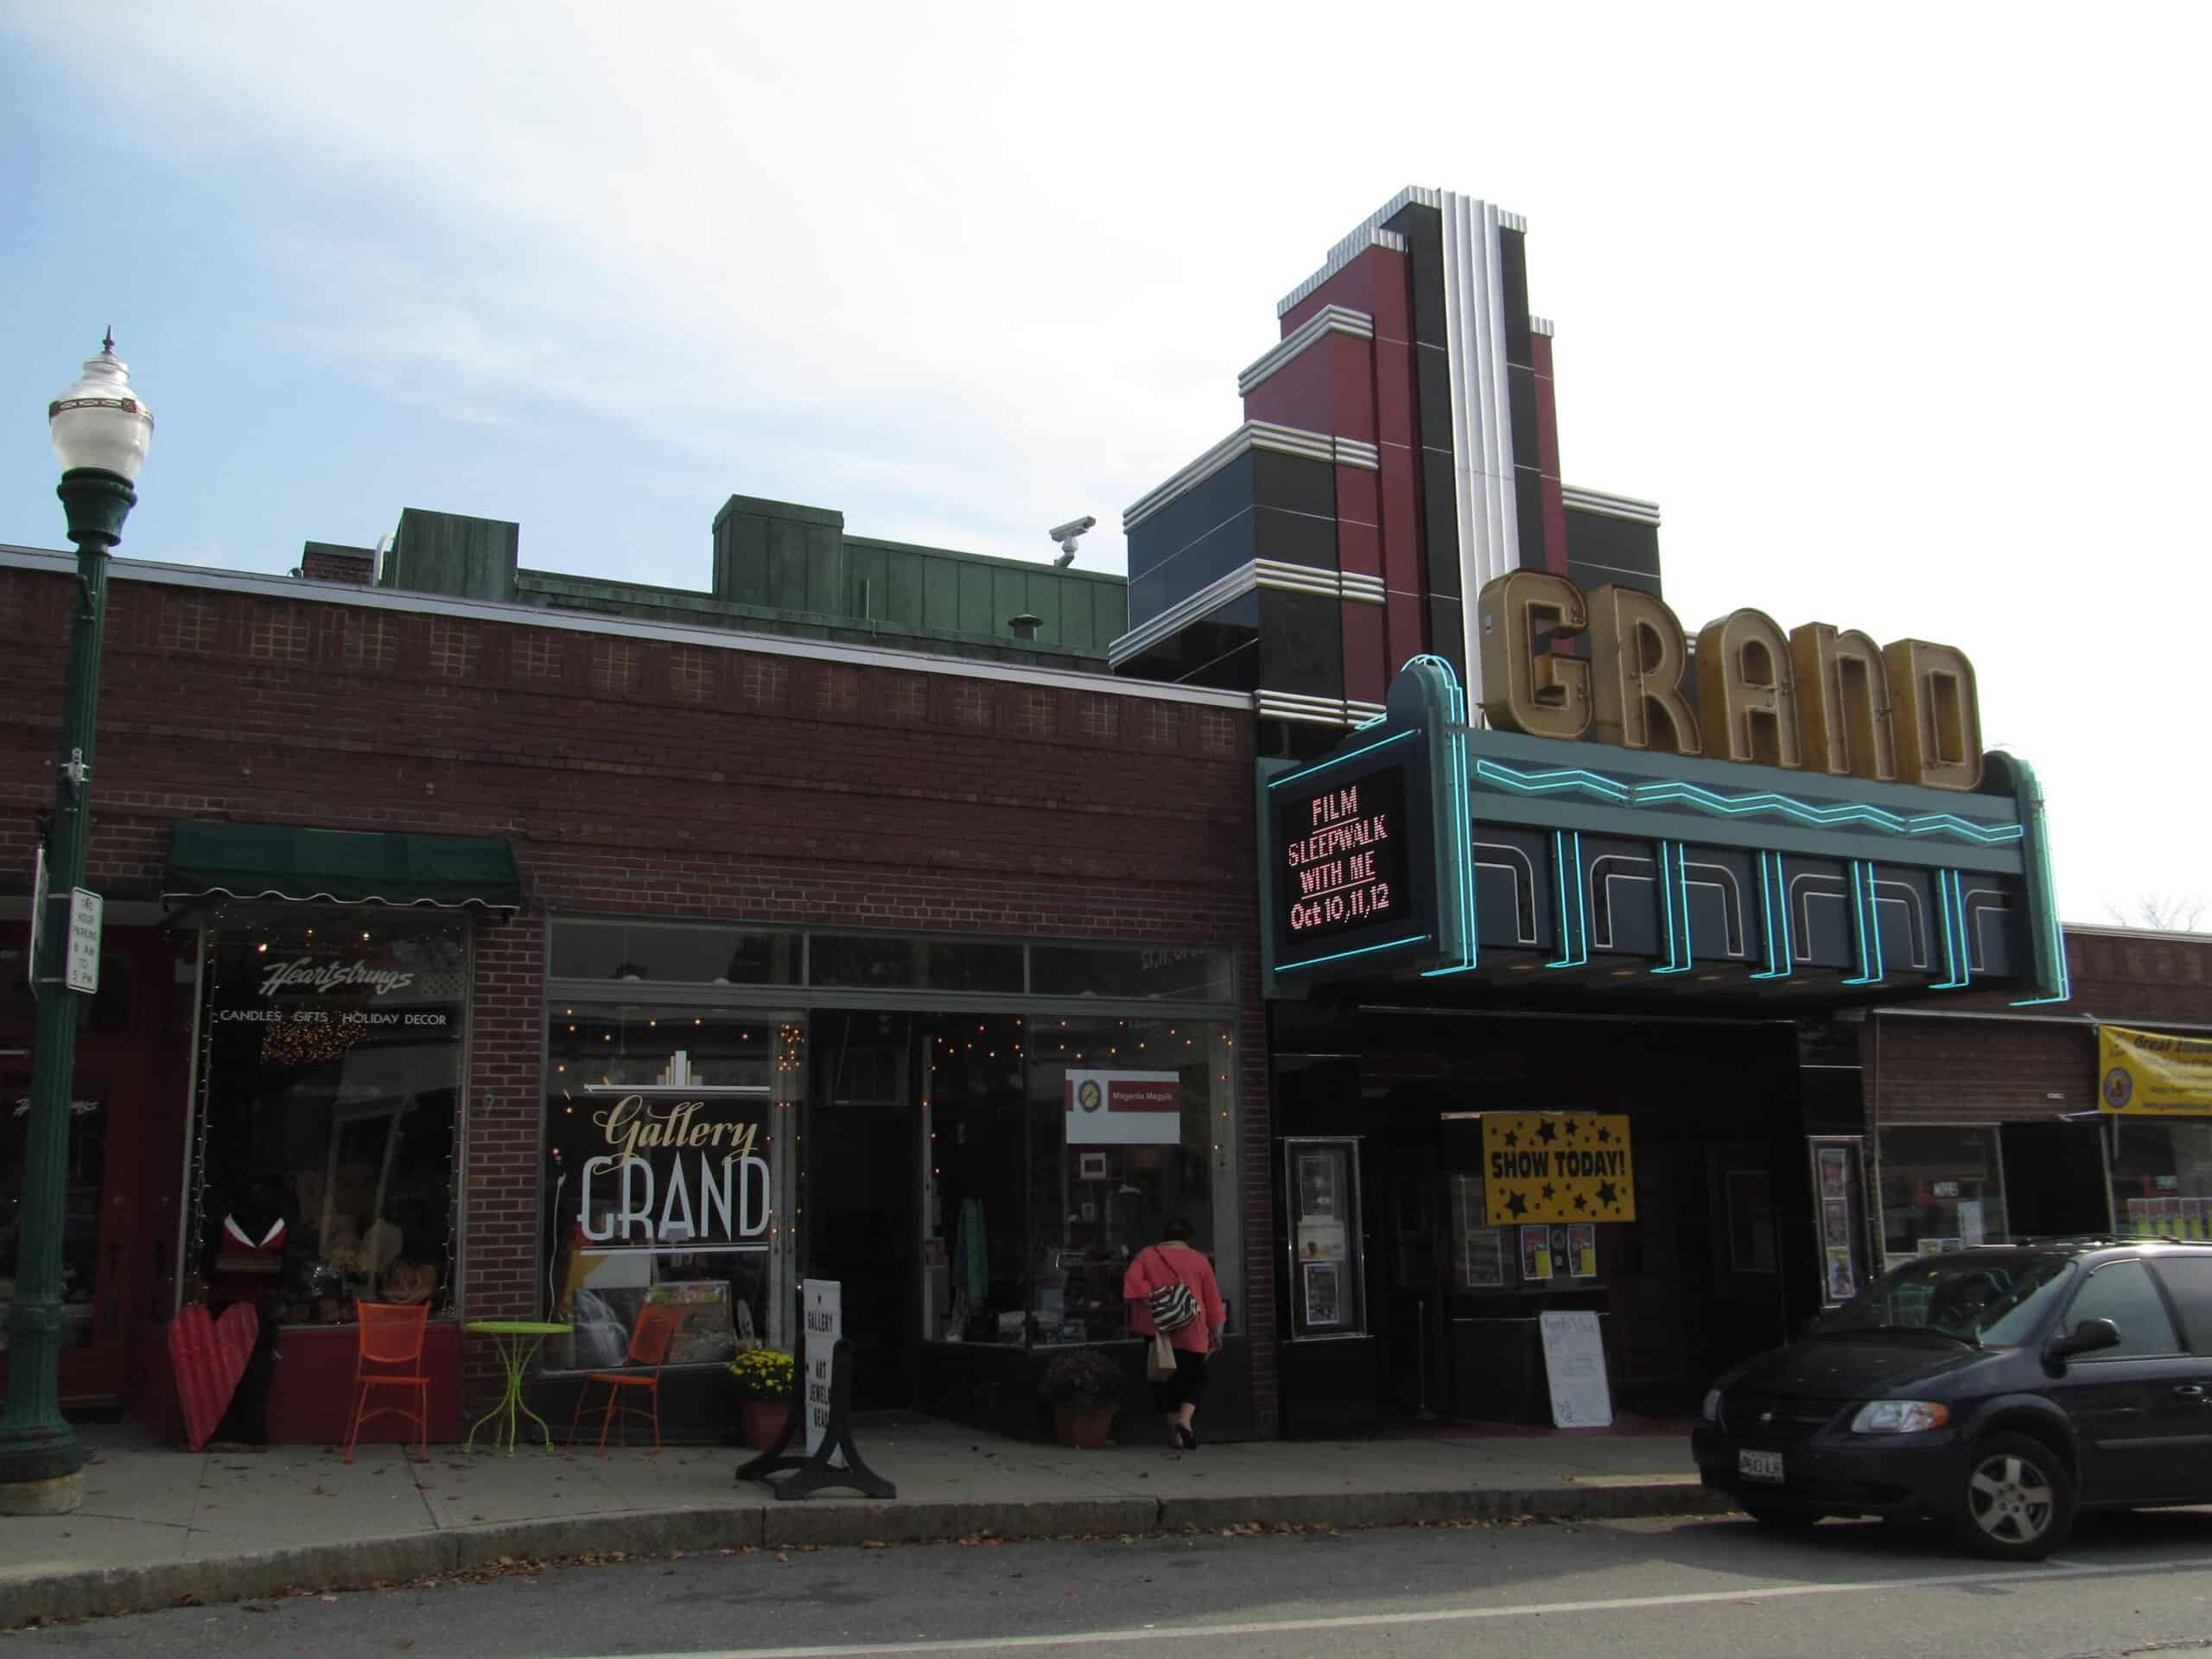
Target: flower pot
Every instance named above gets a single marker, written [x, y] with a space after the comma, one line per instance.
[763, 1422]
[1083, 1427]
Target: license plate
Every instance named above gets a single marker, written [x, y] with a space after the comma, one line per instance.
[1759, 1465]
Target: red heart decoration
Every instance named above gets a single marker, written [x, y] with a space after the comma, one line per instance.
[209, 1356]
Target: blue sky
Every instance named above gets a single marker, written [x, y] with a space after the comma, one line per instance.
[1897, 312]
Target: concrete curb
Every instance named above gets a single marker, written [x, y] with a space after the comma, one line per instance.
[360, 1564]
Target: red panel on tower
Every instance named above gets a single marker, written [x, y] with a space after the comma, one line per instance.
[1374, 282]
[1394, 391]
[1328, 387]
[1402, 571]
[1359, 503]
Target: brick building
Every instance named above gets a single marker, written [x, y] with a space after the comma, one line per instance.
[1988, 1119]
[588, 852]
[536, 946]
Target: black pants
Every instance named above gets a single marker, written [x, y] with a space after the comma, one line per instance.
[1184, 1386]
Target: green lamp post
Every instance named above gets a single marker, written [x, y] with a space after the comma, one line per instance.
[100, 430]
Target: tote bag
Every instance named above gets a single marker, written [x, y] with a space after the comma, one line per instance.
[1172, 1306]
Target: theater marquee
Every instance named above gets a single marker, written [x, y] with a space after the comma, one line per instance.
[1818, 819]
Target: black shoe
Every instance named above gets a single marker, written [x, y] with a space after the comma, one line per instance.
[1186, 1439]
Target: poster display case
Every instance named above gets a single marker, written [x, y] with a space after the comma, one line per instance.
[1327, 1271]
[1840, 1197]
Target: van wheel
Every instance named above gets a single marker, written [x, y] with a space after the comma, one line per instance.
[2018, 1504]
[1774, 1512]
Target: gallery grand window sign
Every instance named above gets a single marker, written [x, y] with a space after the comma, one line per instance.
[677, 1167]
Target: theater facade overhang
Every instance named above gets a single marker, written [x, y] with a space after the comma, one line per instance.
[1426, 848]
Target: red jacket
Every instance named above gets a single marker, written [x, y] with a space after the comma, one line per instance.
[1163, 1264]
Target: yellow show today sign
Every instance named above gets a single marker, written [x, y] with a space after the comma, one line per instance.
[1556, 1166]
[2149, 1074]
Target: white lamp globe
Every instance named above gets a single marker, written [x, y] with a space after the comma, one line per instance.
[100, 422]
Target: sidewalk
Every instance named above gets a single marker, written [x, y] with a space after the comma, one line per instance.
[160, 1526]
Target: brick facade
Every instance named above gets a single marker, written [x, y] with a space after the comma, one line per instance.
[640, 777]
[2016, 1064]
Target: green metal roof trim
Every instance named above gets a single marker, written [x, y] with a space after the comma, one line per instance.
[349, 866]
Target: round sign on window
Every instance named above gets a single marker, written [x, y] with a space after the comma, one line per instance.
[1089, 1096]
[2119, 1087]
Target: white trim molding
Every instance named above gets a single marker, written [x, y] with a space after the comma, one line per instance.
[1313, 711]
[1330, 319]
[1482, 405]
[1370, 234]
[1253, 435]
[1278, 574]
[1541, 326]
[294, 591]
[1612, 507]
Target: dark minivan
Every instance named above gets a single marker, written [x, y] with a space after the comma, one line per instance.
[1999, 1390]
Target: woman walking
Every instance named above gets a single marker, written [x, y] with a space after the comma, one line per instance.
[1161, 1268]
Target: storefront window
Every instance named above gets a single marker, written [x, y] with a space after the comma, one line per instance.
[2162, 1177]
[977, 1178]
[668, 1148]
[80, 1219]
[1129, 1128]
[869, 961]
[1165, 973]
[665, 954]
[1942, 1190]
[327, 1105]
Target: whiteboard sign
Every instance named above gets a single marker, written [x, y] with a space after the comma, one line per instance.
[81, 971]
[1574, 1362]
[824, 1300]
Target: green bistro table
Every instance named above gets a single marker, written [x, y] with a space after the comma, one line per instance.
[518, 1341]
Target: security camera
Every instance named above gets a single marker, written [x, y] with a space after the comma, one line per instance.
[1065, 535]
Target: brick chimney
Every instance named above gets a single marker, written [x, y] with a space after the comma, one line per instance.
[327, 561]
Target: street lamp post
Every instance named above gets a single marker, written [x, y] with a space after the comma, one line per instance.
[100, 431]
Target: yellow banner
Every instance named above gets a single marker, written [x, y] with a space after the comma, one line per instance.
[1556, 1166]
[2144, 1074]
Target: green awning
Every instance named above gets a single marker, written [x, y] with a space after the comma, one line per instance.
[346, 867]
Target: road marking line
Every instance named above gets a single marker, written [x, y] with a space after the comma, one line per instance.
[1440, 1616]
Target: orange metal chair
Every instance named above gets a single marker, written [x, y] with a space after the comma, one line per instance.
[649, 1341]
[390, 1336]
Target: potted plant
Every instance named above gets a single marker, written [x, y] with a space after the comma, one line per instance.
[1083, 1388]
[763, 1379]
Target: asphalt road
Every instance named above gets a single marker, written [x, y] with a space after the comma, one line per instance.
[1694, 1588]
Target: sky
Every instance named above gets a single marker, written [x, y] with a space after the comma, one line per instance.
[1897, 310]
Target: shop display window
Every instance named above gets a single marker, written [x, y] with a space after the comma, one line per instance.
[80, 1219]
[1129, 1128]
[1167, 973]
[2162, 1177]
[1942, 1190]
[327, 1105]
[668, 1150]
[863, 961]
[672, 954]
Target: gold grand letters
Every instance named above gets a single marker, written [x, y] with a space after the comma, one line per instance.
[1937, 719]
[1820, 697]
[1641, 661]
[1843, 703]
[1747, 686]
[1524, 689]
